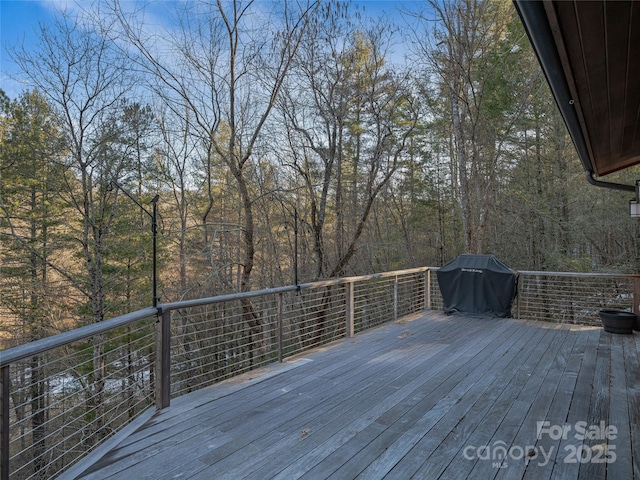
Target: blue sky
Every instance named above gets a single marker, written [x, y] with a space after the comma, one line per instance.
[19, 20]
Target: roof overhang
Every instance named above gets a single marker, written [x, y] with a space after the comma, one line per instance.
[590, 54]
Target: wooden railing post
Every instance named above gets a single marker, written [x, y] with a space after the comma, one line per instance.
[163, 360]
[349, 313]
[4, 423]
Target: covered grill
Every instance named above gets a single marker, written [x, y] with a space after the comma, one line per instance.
[480, 284]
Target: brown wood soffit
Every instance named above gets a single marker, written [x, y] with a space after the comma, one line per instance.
[590, 53]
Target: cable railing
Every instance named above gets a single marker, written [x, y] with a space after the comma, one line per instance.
[574, 297]
[65, 395]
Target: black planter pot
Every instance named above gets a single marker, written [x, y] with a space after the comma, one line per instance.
[618, 321]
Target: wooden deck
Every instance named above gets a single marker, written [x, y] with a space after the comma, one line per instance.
[435, 396]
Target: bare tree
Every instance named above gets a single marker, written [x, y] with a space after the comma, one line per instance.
[85, 79]
[349, 119]
[227, 64]
[469, 56]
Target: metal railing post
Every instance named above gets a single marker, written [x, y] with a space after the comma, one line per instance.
[395, 298]
[636, 295]
[350, 309]
[163, 360]
[279, 326]
[427, 290]
[4, 423]
[518, 295]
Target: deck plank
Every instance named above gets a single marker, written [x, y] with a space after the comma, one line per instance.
[418, 443]
[447, 451]
[433, 369]
[405, 413]
[505, 434]
[343, 409]
[483, 427]
[193, 419]
[564, 468]
[620, 446]
[524, 444]
[598, 409]
[403, 400]
[631, 346]
[547, 448]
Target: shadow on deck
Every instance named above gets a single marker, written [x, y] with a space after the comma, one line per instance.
[428, 397]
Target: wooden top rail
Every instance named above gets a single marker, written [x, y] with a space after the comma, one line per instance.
[21, 352]
[36, 347]
[579, 274]
[12, 355]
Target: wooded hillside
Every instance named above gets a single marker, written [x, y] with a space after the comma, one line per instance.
[270, 128]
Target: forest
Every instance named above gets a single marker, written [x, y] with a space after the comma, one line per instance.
[282, 142]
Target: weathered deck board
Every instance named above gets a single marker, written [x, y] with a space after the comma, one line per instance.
[411, 399]
[419, 444]
[543, 393]
[477, 430]
[632, 373]
[623, 466]
[559, 410]
[465, 430]
[416, 413]
[521, 402]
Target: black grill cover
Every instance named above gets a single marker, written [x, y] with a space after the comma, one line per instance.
[479, 284]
